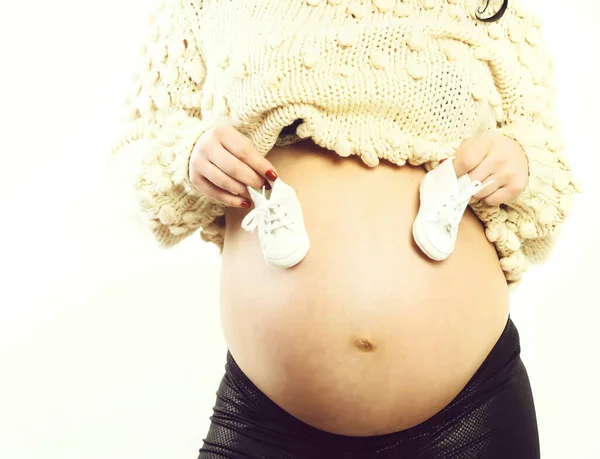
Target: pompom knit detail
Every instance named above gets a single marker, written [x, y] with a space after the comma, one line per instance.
[402, 80]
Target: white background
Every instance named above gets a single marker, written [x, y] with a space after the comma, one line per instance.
[111, 347]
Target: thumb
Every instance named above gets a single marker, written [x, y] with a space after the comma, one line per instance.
[469, 155]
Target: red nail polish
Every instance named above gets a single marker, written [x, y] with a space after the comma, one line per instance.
[267, 185]
[271, 175]
[246, 203]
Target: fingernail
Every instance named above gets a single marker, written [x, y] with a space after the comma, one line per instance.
[271, 175]
[267, 185]
[246, 203]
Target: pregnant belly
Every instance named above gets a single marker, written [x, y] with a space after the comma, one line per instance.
[365, 335]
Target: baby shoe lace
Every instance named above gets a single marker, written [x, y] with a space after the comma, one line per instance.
[268, 215]
[450, 212]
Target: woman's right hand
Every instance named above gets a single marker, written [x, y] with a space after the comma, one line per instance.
[223, 162]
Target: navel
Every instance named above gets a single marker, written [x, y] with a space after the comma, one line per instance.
[364, 345]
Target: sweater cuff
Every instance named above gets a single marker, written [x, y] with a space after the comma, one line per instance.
[538, 213]
[171, 204]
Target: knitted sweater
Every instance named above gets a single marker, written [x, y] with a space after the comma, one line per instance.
[404, 80]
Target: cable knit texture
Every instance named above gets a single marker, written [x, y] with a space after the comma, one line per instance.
[403, 80]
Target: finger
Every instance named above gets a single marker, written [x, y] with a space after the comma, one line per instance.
[491, 185]
[224, 181]
[485, 169]
[208, 188]
[465, 143]
[501, 196]
[212, 173]
[471, 154]
[231, 174]
[242, 148]
[232, 166]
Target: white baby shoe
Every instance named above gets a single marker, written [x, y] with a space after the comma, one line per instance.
[444, 199]
[281, 231]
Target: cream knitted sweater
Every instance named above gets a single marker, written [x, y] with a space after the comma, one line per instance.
[404, 80]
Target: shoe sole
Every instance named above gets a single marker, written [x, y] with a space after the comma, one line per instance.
[292, 259]
[421, 239]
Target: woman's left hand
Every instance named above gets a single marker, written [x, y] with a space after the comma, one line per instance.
[493, 156]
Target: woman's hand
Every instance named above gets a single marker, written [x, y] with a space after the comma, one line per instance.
[223, 162]
[493, 156]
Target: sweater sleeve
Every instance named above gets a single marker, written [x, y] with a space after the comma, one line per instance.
[526, 229]
[163, 121]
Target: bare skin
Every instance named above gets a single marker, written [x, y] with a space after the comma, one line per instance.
[366, 335]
